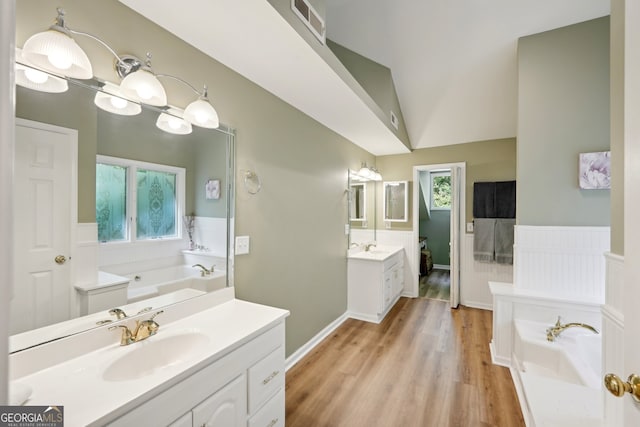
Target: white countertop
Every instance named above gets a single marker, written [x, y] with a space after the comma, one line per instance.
[88, 398]
[376, 253]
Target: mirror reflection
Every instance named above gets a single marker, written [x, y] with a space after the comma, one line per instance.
[395, 201]
[112, 212]
[358, 201]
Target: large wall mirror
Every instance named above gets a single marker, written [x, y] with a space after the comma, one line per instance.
[145, 217]
[361, 208]
[395, 201]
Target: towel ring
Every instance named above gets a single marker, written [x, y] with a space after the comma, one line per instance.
[252, 182]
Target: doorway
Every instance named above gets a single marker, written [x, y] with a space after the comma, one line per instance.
[439, 195]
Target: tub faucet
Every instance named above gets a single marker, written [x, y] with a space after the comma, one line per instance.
[555, 331]
[368, 246]
[204, 271]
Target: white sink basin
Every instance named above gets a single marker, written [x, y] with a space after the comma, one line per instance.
[154, 354]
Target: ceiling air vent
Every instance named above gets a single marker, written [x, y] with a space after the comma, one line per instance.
[310, 17]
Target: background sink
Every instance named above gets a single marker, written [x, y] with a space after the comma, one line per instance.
[154, 354]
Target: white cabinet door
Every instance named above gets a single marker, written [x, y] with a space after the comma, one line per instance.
[225, 408]
[184, 421]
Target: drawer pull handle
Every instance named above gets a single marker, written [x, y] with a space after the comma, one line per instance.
[270, 377]
[273, 422]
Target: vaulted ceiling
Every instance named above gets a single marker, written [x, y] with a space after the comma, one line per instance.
[454, 62]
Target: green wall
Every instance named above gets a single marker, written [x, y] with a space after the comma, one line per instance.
[617, 125]
[437, 229]
[493, 160]
[296, 222]
[376, 79]
[563, 110]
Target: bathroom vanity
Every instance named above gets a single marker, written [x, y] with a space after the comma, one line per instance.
[215, 360]
[375, 281]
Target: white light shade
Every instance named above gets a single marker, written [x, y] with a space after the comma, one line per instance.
[144, 87]
[365, 172]
[58, 53]
[172, 123]
[201, 113]
[112, 100]
[39, 80]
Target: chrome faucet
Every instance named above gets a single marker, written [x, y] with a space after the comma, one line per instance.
[143, 330]
[204, 271]
[555, 331]
[368, 246]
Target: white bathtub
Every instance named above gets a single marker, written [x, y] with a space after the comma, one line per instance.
[150, 283]
[559, 382]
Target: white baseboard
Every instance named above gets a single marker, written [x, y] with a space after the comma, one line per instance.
[310, 345]
[496, 360]
[442, 267]
[478, 305]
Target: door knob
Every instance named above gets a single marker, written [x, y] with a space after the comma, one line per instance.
[618, 387]
[60, 259]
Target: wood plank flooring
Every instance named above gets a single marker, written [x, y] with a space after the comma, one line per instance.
[436, 285]
[424, 365]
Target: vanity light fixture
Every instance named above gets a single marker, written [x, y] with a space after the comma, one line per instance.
[56, 51]
[369, 173]
[32, 78]
[172, 123]
[110, 99]
[139, 82]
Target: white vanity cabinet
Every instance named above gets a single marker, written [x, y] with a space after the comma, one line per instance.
[243, 388]
[375, 282]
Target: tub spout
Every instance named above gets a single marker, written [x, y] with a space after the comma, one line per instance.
[204, 271]
[555, 331]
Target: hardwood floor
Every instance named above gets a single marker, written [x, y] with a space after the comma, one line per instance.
[436, 285]
[424, 365]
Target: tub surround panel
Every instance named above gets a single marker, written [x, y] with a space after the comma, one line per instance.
[85, 261]
[511, 303]
[562, 261]
[614, 296]
[212, 234]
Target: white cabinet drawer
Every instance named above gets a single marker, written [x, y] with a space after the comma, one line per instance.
[271, 414]
[265, 377]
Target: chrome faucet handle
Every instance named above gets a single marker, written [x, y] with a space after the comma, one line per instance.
[118, 312]
[126, 338]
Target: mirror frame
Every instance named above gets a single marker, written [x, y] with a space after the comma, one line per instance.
[405, 209]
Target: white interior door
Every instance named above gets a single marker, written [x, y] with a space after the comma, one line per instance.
[632, 204]
[454, 295]
[44, 188]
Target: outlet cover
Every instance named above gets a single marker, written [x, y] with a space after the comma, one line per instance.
[242, 245]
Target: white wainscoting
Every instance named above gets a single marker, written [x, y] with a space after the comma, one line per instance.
[475, 277]
[613, 335]
[562, 261]
[84, 261]
[212, 234]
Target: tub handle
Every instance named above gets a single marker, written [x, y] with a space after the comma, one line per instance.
[618, 387]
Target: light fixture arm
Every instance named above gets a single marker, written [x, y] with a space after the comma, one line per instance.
[202, 94]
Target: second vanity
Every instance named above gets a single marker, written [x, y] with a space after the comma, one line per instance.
[215, 360]
[375, 281]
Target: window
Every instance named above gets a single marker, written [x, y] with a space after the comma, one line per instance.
[137, 200]
[440, 190]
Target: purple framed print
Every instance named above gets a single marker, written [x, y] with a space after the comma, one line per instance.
[595, 170]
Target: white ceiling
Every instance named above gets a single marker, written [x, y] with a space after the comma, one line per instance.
[453, 62]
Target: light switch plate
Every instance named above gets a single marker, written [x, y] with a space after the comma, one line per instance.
[469, 227]
[242, 245]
